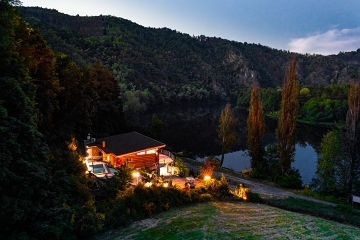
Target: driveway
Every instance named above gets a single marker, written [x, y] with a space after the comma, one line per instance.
[264, 189]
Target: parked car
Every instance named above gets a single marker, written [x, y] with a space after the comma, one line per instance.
[100, 169]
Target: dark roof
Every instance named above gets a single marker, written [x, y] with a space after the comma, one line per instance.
[126, 143]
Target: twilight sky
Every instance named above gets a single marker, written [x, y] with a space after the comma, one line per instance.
[303, 26]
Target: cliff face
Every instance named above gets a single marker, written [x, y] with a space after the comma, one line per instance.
[147, 58]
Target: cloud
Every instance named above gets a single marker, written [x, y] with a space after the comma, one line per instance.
[330, 42]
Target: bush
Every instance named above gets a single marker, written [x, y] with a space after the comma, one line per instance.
[218, 188]
[179, 164]
[254, 197]
[241, 192]
[139, 201]
[291, 179]
[209, 166]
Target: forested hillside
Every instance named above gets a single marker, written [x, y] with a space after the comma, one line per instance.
[48, 103]
[162, 66]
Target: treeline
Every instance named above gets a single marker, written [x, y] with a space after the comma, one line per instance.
[47, 102]
[326, 105]
[163, 66]
[338, 166]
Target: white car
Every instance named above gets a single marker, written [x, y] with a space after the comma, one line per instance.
[100, 169]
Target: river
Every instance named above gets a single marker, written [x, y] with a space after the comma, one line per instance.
[192, 130]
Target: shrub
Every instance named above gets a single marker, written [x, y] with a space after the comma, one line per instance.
[218, 188]
[254, 197]
[209, 166]
[291, 179]
[241, 192]
[179, 164]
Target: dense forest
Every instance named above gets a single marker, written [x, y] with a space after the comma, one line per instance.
[163, 66]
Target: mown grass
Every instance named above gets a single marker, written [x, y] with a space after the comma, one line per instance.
[342, 213]
[233, 220]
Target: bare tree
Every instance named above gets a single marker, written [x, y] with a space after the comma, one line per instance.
[287, 120]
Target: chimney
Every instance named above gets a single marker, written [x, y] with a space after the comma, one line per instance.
[103, 144]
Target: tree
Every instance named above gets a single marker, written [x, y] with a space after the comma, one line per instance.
[256, 129]
[287, 120]
[108, 115]
[353, 133]
[332, 169]
[226, 131]
[156, 127]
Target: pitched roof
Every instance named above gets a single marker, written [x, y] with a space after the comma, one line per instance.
[126, 143]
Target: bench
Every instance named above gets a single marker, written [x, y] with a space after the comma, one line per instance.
[355, 199]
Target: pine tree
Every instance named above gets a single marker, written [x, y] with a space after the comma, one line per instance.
[256, 129]
[287, 120]
[226, 131]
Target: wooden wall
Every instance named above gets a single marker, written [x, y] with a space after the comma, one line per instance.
[136, 161]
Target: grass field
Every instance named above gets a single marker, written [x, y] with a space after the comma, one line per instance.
[233, 220]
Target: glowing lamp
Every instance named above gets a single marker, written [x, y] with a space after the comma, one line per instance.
[207, 178]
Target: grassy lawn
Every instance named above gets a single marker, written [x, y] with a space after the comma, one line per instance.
[233, 220]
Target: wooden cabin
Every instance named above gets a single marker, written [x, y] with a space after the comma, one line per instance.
[133, 149]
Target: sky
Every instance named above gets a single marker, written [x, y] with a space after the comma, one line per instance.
[304, 26]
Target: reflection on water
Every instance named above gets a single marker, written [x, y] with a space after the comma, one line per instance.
[305, 161]
[192, 130]
[237, 161]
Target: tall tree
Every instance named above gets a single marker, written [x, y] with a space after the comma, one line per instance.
[256, 130]
[108, 118]
[353, 133]
[226, 130]
[287, 120]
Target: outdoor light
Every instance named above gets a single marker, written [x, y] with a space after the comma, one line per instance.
[207, 178]
[148, 184]
[136, 175]
[166, 184]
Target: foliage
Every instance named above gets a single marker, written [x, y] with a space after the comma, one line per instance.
[256, 130]
[139, 201]
[287, 121]
[290, 179]
[156, 127]
[353, 137]
[226, 130]
[217, 188]
[271, 99]
[209, 166]
[179, 163]
[243, 98]
[241, 192]
[317, 110]
[46, 100]
[163, 66]
[333, 164]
